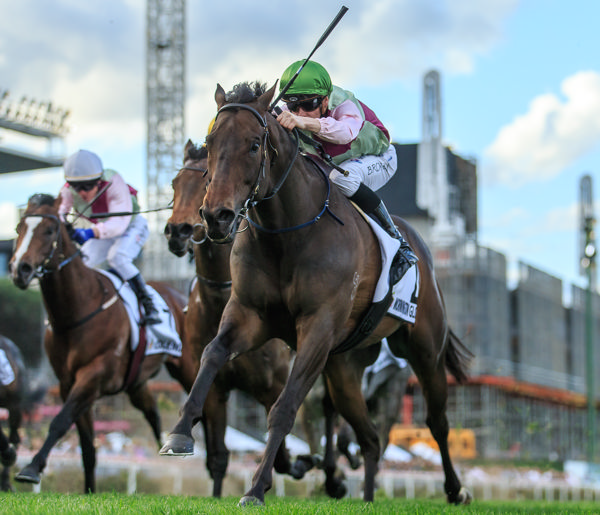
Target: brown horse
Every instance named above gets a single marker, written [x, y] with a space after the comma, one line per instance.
[305, 271]
[262, 373]
[88, 341]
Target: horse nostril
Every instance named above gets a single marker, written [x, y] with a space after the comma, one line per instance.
[25, 269]
[185, 230]
[167, 230]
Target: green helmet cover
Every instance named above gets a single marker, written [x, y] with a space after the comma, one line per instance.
[312, 80]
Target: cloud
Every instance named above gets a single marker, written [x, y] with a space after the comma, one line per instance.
[550, 137]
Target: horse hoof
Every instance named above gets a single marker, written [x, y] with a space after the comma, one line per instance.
[9, 457]
[464, 496]
[178, 445]
[336, 489]
[28, 475]
[250, 500]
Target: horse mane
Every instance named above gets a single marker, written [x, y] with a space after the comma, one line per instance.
[197, 152]
[41, 199]
[245, 92]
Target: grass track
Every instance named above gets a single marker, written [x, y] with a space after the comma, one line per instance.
[107, 504]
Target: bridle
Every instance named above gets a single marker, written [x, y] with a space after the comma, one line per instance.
[44, 269]
[251, 200]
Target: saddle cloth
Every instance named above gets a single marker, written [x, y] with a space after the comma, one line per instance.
[161, 338]
[406, 291]
[7, 374]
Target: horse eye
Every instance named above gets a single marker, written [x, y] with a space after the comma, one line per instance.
[254, 148]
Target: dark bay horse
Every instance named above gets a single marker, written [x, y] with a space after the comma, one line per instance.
[88, 340]
[15, 396]
[261, 373]
[305, 271]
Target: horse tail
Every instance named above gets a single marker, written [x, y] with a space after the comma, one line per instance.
[458, 357]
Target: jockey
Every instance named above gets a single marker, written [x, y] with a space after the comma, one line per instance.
[118, 240]
[353, 136]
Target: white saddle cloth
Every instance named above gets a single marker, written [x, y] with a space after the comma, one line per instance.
[160, 338]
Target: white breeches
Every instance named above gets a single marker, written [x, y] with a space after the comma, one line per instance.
[120, 251]
[373, 171]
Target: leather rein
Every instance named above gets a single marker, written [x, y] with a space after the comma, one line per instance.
[265, 143]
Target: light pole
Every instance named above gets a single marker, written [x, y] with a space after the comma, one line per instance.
[588, 262]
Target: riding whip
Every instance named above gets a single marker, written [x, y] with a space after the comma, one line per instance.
[328, 31]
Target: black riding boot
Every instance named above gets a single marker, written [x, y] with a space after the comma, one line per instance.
[405, 257]
[370, 202]
[150, 312]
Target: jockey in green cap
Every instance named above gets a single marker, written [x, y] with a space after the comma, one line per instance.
[352, 135]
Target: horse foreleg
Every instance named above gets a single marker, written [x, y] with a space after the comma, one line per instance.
[215, 425]
[307, 366]
[85, 428]
[180, 441]
[143, 400]
[79, 399]
[334, 478]
[15, 418]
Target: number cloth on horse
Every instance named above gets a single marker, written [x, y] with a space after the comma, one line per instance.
[161, 337]
[7, 374]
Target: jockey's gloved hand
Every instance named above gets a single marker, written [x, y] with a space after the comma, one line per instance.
[82, 235]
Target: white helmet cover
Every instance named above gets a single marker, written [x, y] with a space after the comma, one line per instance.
[82, 166]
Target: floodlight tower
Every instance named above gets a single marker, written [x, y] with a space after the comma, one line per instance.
[587, 262]
[165, 101]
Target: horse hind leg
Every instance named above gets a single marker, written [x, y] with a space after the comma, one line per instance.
[8, 457]
[435, 389]
[215, 425]
[85, 429]
[143, 400]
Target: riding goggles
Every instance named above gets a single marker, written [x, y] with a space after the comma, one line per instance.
[83, 186]
[295, 103]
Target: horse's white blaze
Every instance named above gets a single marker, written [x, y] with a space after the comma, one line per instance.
[31, 224]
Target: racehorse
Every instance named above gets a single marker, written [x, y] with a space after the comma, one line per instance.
[261, 373]
[16, 396]
[305, 271]
[88, 339]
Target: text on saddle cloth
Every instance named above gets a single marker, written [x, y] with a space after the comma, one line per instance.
[406, 291]
[161, 338]
[7, 374]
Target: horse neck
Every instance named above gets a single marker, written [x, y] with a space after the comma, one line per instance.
[302, 194]
[212, 261]
[70, 290]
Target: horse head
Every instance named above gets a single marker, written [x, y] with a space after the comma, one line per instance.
[40, 238]
[239, 156]
[189, 187]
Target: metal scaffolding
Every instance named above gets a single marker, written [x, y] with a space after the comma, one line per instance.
[165, 102]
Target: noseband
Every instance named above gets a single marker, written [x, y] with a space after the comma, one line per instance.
[250, 201]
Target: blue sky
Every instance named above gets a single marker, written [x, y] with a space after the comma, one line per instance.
[520, 87]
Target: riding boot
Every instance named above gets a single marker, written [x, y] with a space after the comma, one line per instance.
[150, 312]
[405, 257]
[370, 202]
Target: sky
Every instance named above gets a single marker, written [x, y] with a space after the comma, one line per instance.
[520, 91]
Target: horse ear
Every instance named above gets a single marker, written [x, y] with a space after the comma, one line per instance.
[220, 96]
[58, 201]
[186, 151]
[265, 99]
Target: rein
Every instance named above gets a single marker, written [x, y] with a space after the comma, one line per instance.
[250, 202]
[43, 270]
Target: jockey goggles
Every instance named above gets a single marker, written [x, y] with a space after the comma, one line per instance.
[307, 103]
[83, 185]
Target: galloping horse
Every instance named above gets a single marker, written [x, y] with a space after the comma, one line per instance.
[88, 341]
[16, 394]
[305, 271]
[261, 373]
